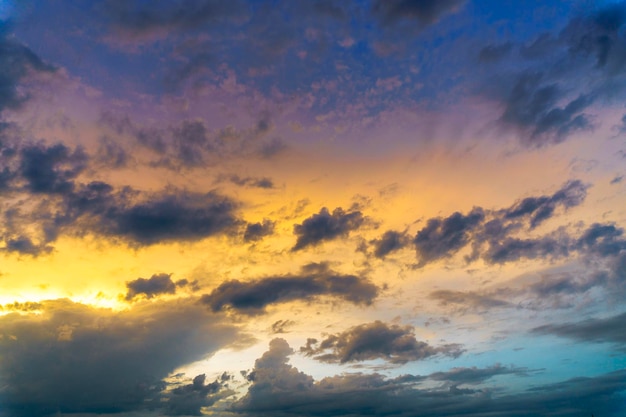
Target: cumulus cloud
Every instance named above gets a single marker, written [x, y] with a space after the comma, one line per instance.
[314, 280]
[325, 226]
[280, 389]
[389, 242]
[73, 358]
[377, 340]
[444, 237]
[257, 231]
[151, 287]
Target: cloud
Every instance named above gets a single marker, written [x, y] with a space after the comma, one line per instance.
[73, 358]
[136, 18]
[314, 280]
[189, 399]
[325, 226]
[377, 340]
[280, 389]
[539, 209]
[257, 231]
[475, 376]
[263, 182]
[442, 237]
[17, 63]
[151, 287]
[425, 12]
[607, 330]
[492, 234]
[51, 169]
[390, 241]
[468, 300]
[561, 76]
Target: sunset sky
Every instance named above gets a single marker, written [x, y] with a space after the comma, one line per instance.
[296, 208]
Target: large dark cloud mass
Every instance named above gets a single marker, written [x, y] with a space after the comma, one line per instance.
[375, 340]
[72, 358]
[251, 297]
[51, 173]
[325, 226]
[280, 389]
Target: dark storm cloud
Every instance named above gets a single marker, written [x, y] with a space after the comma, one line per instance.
[442, 237]
[314, 280]
[426, 12]
[139, 18]
[156, 285]
[17, 61]
[72, 358]
[377, 340]
[257, 231]
[609, 329]
[279, 389]
[325, 226]
[51, 169]
[390, 241]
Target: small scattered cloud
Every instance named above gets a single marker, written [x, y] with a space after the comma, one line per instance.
[325, 226]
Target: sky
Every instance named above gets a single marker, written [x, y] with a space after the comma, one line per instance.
[255, 208]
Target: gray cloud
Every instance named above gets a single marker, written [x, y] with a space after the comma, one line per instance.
[560, 77]
[72, 358]
[442, 237]
[279, 389]
[492, 233]
[376, 340]
[425, 12]
[314, 280]
[389, 242]
[257, 231]
[325, 226]
[188, 399]
[151, 287]
[263, 182]
[17, 62]
[51, 169]
[475, 376]
[468, 300]
[609, 329]
[136, 18]
[539, 209]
